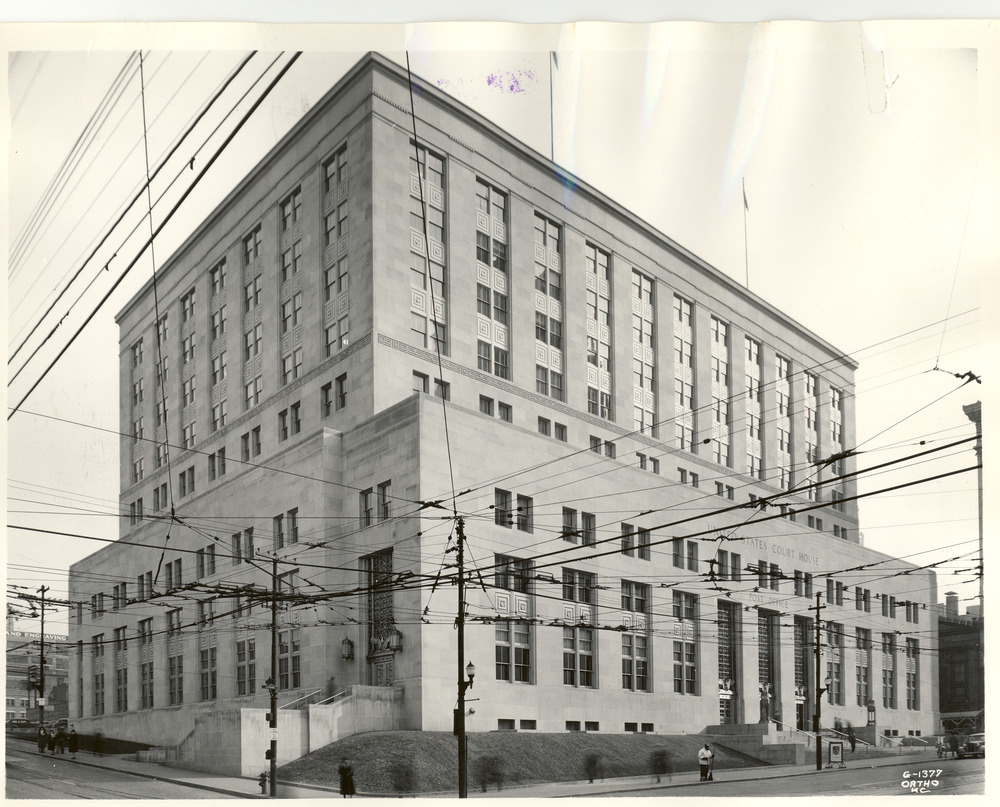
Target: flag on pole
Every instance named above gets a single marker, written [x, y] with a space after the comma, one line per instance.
[555, 59]
[745, 205]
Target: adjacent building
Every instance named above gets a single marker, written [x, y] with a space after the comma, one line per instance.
[23, 677]
[962, 663]
[375, 330]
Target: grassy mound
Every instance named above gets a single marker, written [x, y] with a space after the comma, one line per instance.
[426, 762]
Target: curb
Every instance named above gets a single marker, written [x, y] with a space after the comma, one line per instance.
[140, 774]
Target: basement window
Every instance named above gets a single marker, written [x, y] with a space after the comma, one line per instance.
[528, 725]
[505, 724]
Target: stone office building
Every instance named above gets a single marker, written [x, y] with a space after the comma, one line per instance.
[320, 366]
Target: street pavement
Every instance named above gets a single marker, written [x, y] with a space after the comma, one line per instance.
[249, 788]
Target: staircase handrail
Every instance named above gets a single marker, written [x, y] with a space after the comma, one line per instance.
[292, 703]
[331, 698]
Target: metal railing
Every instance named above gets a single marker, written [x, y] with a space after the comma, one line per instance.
[304, 697]
[331, 698]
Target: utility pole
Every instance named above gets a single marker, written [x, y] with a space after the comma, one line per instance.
[273, 688]
[41, 662]
[819, 690]
[974, 413]
[463, 758]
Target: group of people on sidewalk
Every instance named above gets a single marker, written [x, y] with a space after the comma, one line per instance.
[57, 740]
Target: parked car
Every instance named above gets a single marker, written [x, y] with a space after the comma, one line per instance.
[20, 723]
[975, 746]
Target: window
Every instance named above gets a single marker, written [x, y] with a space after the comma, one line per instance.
[341, 391]
[366, 507]
[219, 413]
[588, 528]
[684, 605]
[253, 391]
[384, 500]
[685, 671]
[209, 673]
[524, 514]
[501, 362]
[185, 482]
[561, 432]
[578, 586]
[246, 667]
[289, 660]
[245, 447]
[628, 539]
[188, 435]
[278, 529]
[326, 400]
[595, 444]
[692, 556]
[420, 382]
[609, 449]
[505, 412]
[484, 352]
[486, 405]
[578, 658]
[635, 597]
[282, 425]
[635, 666]
[511, 574]
[502, 508]
[296, 424]
[569, 528]
[545, 427]
[255, 441]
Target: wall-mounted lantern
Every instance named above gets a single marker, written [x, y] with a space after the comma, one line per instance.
[395, 641]
[347, 649]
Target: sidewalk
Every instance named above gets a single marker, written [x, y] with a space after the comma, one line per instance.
[249, 788]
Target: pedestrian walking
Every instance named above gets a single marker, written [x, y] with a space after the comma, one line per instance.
[74, 742]
[43, 740]
[705, 758]
[953, 744]
[52, 741]
[61, 740]
[346, 778]
[99, 744]
[851, 738]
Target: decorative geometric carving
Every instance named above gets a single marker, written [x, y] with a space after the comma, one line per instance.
[568, 612]
[555, 309]
[503, 603]
[417, 242]
[591, 281]
[650, 401]
[605, 382]
[500, 335]
[604, 287]
[541, 353]
[342, 302]
[437, 252]
[636, 306]
[521, 606]
[500, 282]
[637, 396]
[286, 344]
[482, 221]
[555, 359]
[499, 231]
[437, 197]
[342, 191]
[591, 328]
[591, 375]
[483, 327]
[540, 254]
[417, 300]
[342, 247]
[540, 302]
[483, 274]
[330, 312]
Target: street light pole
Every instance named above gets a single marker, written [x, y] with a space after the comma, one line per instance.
[819, 690]
[273, 688]
[41, 663]
[463, 759]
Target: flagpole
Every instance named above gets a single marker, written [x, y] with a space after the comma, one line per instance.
[746, 255]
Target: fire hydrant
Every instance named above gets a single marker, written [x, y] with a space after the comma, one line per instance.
[262, 781]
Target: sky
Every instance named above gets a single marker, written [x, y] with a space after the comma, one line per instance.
[868, 152]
